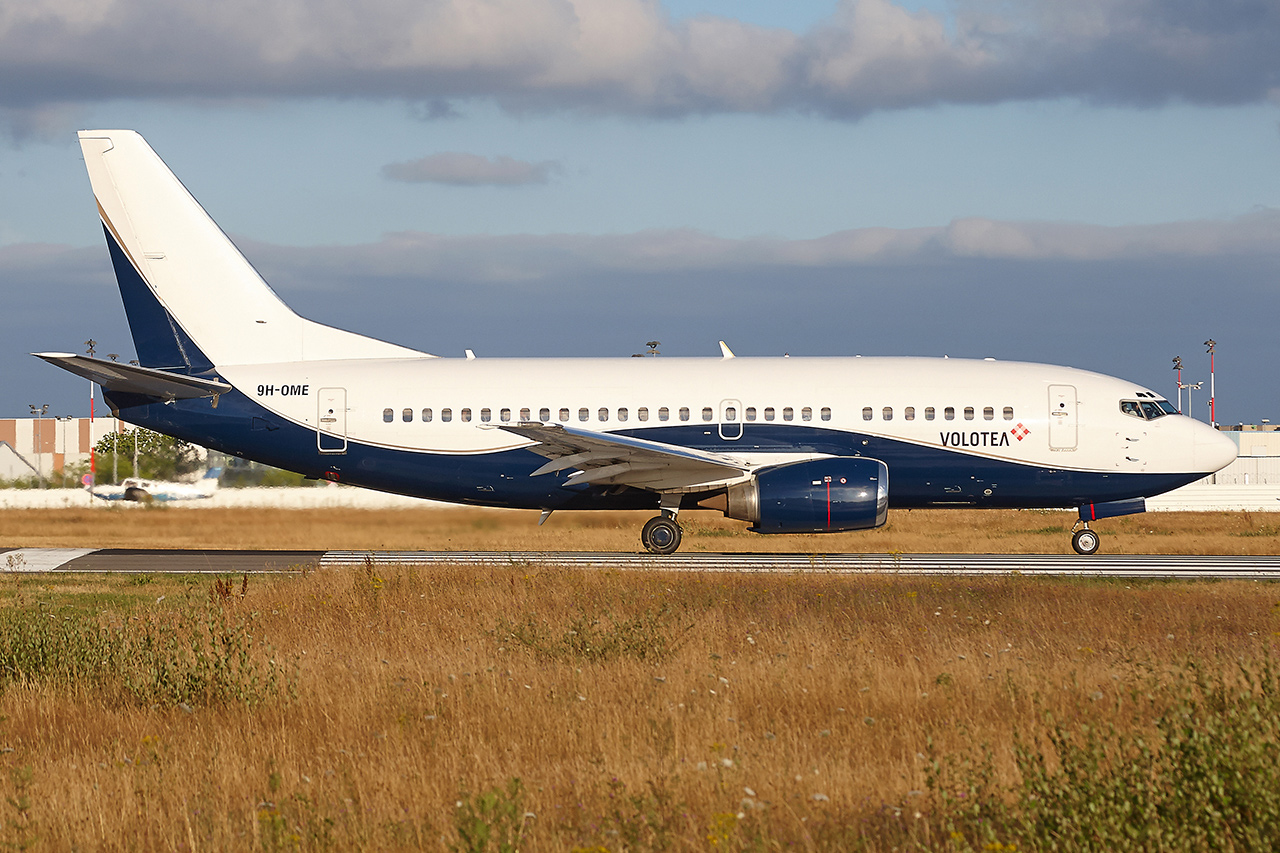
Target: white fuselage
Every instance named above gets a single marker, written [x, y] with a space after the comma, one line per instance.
[1033, 414]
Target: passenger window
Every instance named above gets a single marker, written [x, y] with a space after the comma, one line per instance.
[788, 413]
[465, 416]
[446, 415]
[909, 413]
[867, 414]
[768, 413]
[603, 414]
[486, 415]
[426, 415]
[887, 414]
[564, 414]
[684, 413]
[826, 413]
[407, 415]
[988, 414]
[525, 415]
[504, 415]
[949, 413]
[1008, 413]
[730, 413]
[642, 413]
[544, 415]
[707, 414]
[968, 413]
[664, 414]
[388, 415]
[806, 414]
[584, 414]
[751, 413]
[928, 413]
[622, 414]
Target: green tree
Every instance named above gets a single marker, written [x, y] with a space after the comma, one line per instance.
[160, 457]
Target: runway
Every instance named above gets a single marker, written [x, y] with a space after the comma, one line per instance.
[36, 560]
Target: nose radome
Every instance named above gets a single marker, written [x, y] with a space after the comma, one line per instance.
[1212, 450]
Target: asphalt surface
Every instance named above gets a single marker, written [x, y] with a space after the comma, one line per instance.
[129, 560]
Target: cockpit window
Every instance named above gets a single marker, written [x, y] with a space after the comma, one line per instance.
[1147, 409]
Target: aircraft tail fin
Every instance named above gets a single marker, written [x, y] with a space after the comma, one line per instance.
[193, 301]
[210, 481]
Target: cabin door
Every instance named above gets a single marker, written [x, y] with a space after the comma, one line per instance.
[331, 425]
[1062, 417]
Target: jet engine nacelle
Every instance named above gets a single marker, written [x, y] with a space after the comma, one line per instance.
[817, 496]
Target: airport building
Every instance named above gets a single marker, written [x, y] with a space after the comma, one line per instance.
[1257, 456]
[32, 447]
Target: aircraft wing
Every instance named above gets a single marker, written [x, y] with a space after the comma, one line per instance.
[132, 379]
[606, 459]
[108, 493]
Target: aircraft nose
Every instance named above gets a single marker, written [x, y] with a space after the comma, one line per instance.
[1212, 451]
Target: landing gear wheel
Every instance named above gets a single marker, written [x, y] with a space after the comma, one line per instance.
[1085, 542]
[661, 535]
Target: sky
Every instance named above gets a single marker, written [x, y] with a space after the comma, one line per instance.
[1094, 183]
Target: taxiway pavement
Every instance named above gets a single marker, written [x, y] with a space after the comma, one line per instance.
[258, 562]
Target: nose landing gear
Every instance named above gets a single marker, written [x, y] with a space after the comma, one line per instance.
[1084, 540]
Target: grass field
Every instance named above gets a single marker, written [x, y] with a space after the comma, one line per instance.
[553, 710]
[908, 531]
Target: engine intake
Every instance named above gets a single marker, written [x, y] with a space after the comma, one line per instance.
[817, 496]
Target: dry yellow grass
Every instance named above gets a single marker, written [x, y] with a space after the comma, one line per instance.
[419, 688]
[908, 531]
[789, 711]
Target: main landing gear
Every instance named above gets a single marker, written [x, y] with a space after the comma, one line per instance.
[1084, 540]
[661, 534]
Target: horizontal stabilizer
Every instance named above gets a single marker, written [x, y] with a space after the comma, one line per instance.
[131, 379]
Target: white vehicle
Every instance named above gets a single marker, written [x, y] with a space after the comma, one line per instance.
[145, 491]
[788, 444]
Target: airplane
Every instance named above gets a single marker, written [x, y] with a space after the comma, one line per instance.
[789, 444]
[141, 490]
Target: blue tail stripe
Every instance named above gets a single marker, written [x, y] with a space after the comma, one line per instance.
[157, 337]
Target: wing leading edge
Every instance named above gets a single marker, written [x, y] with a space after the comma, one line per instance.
[606, 459]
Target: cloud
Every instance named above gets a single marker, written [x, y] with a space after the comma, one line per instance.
[459, 169]
[42, 122]
[1119, 300]
[519, 259]
[630, 57]
[523, 258]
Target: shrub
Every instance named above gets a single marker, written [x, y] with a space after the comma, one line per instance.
[1203, 778]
